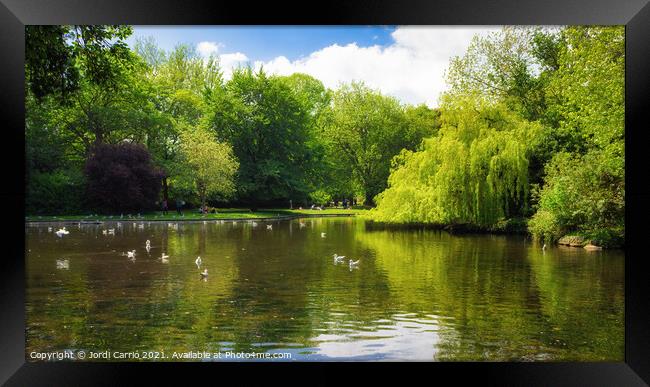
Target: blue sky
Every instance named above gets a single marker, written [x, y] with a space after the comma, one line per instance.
[266, 43]
[406, 62]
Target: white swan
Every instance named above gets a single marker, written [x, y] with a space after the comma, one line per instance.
[111, 231]
[302, 224]
[164, 256]
[544, 247]
[61, 232]
[269, 227]
[198, 262]
[130, 254]
[164, 259]
[354, 263]
[338, 258]
[322, 235]
[254, 224]
[147, 243]
[104, 232]
[204, 273]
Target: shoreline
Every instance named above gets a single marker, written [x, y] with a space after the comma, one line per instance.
[452, 229]
[186, 220]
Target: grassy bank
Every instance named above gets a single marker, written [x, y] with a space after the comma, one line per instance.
[188, 215]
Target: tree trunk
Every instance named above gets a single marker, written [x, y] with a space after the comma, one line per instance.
[165, 189]
[202, 195]
[369, 200]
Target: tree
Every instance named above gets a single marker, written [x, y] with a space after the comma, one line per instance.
[58, 57]
[210, 164]
[363, 131]
[475, 171]
[502, 67]
[584, 187]
[181, 83]
[268, 126]
[121, 177]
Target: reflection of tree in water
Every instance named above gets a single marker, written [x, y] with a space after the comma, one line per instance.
[490, 302]
[488, 298]
[577, 284]
[287, 284]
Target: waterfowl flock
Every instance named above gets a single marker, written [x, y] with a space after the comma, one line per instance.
[64, 264]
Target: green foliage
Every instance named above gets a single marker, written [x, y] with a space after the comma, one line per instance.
[320, 197]
[581, 194]
[475, 171]
[499, 67]
[584, 190]
[269, 126]
[364, 130]
[54, 192]
[58, 58]
[209, 165]
[533, 123]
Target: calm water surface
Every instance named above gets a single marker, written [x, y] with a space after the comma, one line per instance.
[416, 295]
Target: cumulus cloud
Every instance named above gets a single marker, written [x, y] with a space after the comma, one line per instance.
[228, 61]
[411, 68]
[206, 49]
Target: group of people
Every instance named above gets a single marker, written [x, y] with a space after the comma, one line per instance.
[347, 204]
[179, 206]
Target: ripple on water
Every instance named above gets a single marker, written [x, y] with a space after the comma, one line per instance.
[416, 295]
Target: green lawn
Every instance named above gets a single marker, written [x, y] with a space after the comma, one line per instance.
[224, 213]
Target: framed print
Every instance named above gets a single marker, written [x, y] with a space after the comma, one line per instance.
[445, 188]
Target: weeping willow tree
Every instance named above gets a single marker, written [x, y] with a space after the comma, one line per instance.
[475, 171]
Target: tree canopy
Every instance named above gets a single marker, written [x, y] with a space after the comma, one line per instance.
[531, 127]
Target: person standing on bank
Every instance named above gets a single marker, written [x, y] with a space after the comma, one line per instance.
[179, 205]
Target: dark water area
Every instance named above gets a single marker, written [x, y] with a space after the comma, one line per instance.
[414, 294]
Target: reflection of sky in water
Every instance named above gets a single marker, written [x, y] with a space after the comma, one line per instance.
[416, 296]
[403, 337]
[406, 338]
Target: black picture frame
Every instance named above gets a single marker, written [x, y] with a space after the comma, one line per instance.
[634, 14]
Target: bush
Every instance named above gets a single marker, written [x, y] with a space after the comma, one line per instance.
[584, 195]
[320, 197]
[608, 238]
[53, 193]
[121, 177]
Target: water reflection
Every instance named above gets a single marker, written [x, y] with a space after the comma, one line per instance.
[415, 295]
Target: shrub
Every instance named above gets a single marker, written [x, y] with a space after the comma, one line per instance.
[583, 195]
[121, 177]
[320, 197]
[57, 192]
[545, 225]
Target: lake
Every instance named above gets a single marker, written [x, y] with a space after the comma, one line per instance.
[415, 295]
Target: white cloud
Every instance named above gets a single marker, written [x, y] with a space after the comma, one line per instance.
[231, 61]
[411, 68]
[228, 61]
[206, 49]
